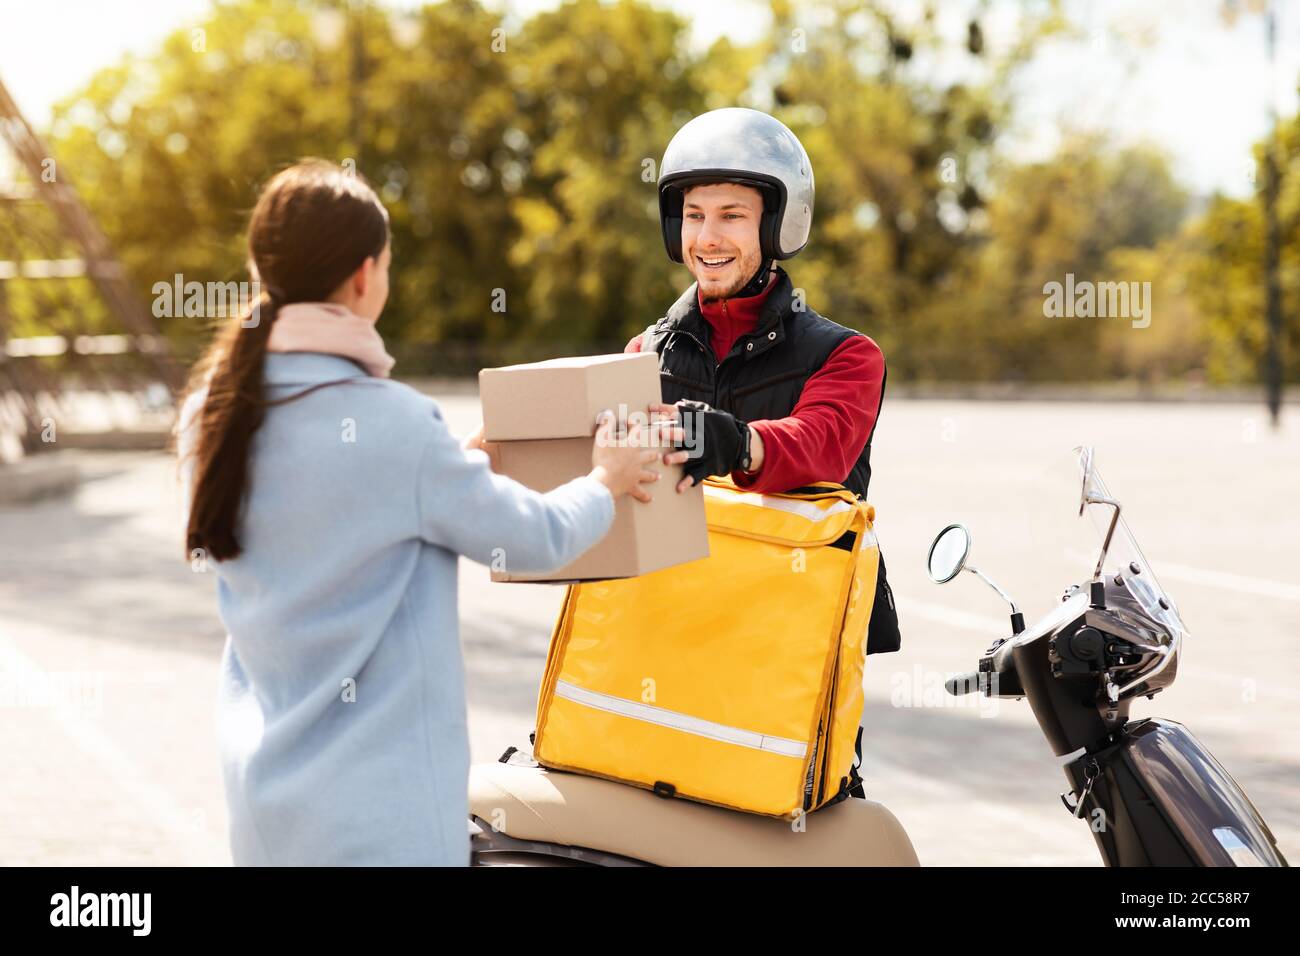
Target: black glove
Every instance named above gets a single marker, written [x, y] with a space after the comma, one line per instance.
[717, 441]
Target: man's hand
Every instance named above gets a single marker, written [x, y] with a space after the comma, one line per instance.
[714, 440]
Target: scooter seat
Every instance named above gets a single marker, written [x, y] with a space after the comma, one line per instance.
[574, 810]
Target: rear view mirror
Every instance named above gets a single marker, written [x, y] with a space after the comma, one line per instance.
[948, 553]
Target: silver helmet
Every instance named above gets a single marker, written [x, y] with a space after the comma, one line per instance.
[741, 146]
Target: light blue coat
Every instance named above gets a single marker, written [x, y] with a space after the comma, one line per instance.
[341, 713]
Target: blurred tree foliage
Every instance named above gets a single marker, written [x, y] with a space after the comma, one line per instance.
[1222, 266]
[1084, 213]
[518, 160]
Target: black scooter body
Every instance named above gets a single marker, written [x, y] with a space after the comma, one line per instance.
[1159, 798]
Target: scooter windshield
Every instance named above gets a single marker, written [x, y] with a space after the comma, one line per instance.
[1124, 554]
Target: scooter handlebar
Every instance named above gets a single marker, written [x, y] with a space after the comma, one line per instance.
[963, 684]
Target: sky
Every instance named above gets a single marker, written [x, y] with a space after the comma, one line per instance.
[1172, 72]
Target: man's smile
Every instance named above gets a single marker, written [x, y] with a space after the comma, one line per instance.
[714, 263]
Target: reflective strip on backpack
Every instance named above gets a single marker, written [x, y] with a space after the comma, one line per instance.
[804, 509]
[683, 722]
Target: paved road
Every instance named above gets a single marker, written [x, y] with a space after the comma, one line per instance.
[115, 761]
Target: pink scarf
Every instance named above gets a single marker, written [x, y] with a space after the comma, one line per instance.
[330, 328]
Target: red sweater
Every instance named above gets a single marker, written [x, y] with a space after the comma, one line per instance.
[823, 435]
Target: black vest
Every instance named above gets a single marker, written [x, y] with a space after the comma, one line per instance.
[763, 375]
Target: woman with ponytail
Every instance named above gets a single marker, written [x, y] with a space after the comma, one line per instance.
[332, 504]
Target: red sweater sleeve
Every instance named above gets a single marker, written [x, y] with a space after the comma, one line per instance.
[823, 435]
[635, 342]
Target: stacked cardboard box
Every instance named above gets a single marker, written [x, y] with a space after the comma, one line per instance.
[541, 419]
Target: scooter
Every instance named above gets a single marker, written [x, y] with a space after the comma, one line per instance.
[1150, 792]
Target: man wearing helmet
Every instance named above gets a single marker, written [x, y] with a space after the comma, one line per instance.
[768, 391]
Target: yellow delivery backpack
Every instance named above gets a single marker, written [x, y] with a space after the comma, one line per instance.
[735, 679]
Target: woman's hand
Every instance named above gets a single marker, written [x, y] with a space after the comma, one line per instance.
[476, 442]
[620, 462]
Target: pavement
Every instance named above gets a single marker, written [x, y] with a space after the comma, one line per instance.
[109, 641]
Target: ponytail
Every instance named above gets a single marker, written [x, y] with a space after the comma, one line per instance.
[232, 413]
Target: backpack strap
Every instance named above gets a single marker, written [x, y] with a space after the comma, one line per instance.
[850, 786]
[855, 788]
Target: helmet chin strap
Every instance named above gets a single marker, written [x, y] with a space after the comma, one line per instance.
[757, 283]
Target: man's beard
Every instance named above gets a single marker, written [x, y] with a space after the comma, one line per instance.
[746, 272]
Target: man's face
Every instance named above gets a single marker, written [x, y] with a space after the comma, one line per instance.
[720, 236]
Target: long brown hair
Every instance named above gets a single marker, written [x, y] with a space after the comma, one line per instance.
[313, 226]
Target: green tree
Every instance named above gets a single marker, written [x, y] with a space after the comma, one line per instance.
[1225, 274]
[604, 87]
[901, 159]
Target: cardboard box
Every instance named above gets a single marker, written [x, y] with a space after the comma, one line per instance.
[541, 418]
